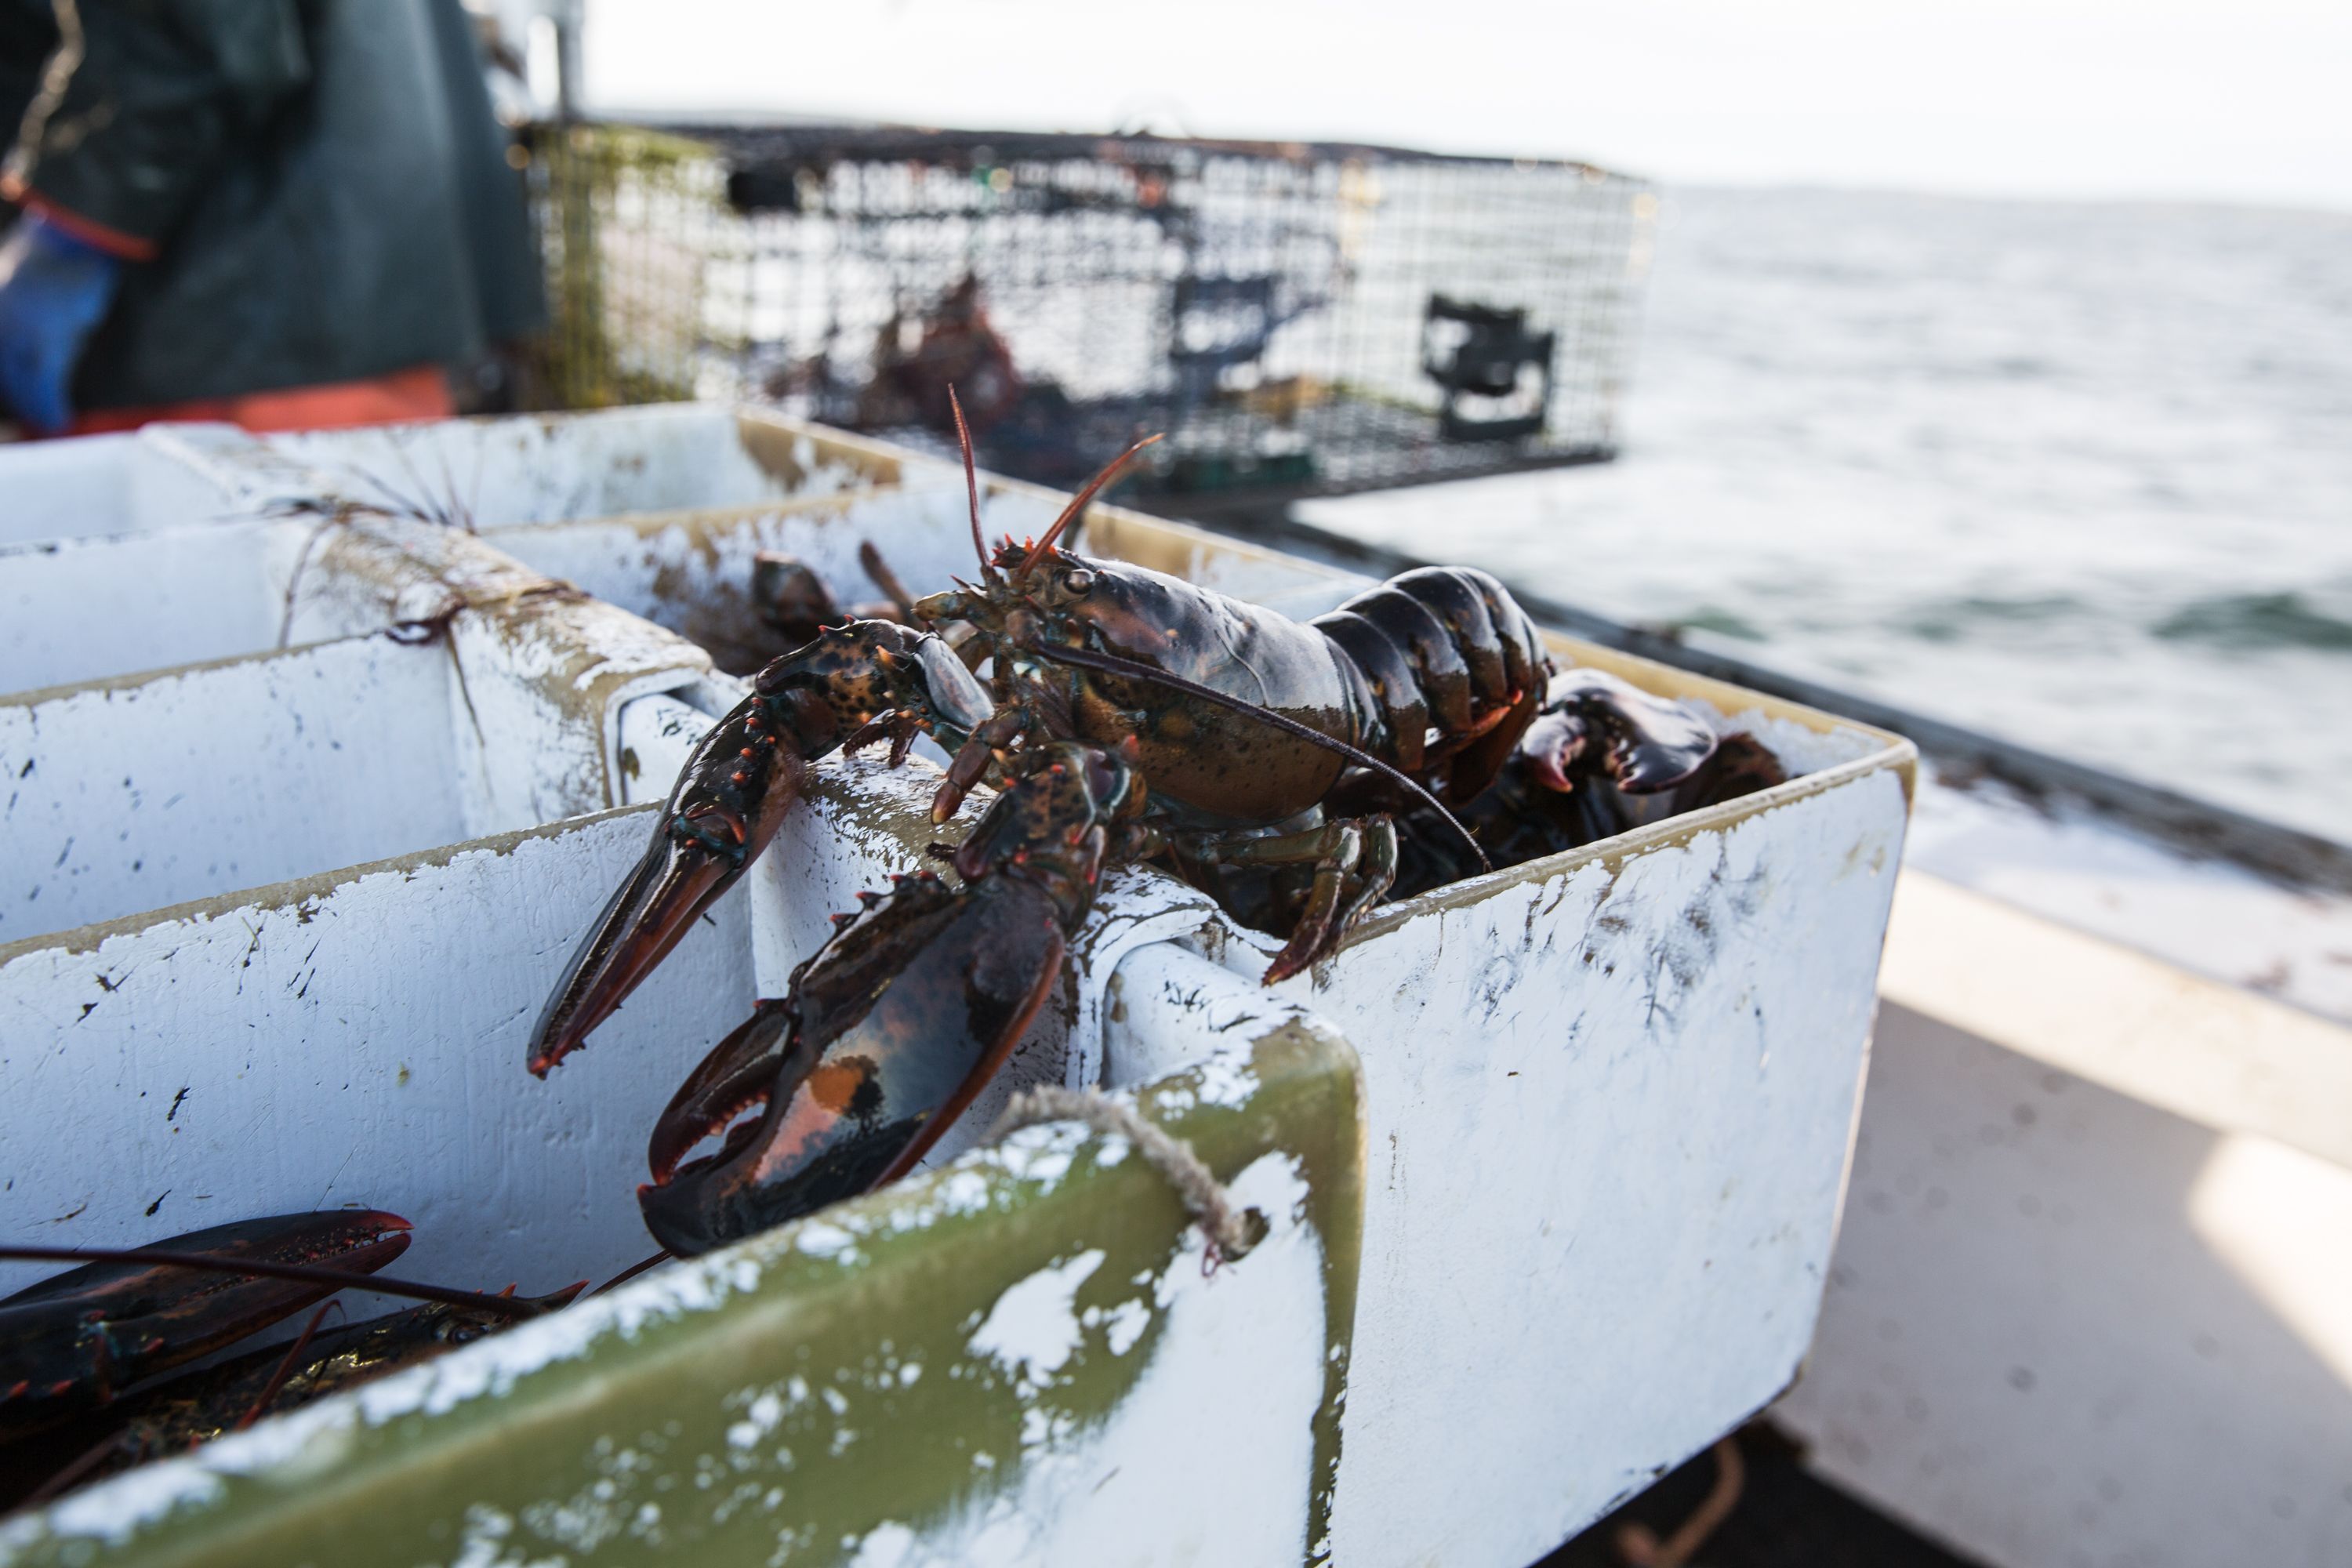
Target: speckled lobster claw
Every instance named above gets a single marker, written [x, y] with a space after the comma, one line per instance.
[733, 793]
[730, 799]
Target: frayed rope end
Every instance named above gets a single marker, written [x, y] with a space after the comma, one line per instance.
[1231, 1232]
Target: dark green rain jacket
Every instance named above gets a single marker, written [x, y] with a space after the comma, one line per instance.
[323, 183]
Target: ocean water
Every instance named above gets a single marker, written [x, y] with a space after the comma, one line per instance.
[2078, 474]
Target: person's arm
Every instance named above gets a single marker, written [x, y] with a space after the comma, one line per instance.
[138, 106]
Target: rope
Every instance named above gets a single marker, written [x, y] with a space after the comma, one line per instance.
[1231, 1232]
[1638, 1544]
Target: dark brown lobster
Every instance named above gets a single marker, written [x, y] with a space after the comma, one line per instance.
[1128, 715]
[70, 1343]
[795, 604]
[1603, 756]
[91, 1360]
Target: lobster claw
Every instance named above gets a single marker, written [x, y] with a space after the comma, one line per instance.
[889, 1032]
[790, 598]
[68, 1344]
[895, 1023]
[738, 784]
[1741, 765]
[1593, 724]
[729, 800]
[796, 604]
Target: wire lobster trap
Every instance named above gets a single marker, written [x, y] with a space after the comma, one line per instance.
[1297, 318]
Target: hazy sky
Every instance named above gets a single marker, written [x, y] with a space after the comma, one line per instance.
[2244, 99]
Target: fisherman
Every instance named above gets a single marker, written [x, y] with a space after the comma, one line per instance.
[285, 214]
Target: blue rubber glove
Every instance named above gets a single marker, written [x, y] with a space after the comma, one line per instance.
[54, 291]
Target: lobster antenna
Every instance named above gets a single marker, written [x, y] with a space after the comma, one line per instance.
[1078, 504]
[631, 1272]
[1114, 665]
[285, 1366]
[302, 1273]
[971, 480]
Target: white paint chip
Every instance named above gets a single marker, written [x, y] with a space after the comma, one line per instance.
[1126, 1324]
[1032, 1329]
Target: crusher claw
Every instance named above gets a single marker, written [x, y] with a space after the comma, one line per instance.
[898, 1021]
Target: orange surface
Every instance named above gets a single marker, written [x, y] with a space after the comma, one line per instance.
[421, 392]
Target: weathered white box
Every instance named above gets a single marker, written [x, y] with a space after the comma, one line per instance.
[1552, 1159]
[492, 474]
[120, 553]
[491, 702]
[165, 476]
[124, 554]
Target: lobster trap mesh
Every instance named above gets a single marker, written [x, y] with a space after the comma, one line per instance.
[1298, 319]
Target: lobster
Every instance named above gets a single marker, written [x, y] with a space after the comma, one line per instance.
[92, 1359]
[1603, 756]
[795, 604]
[1128, 716]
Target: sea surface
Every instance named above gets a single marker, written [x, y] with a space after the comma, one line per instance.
[2078, 474]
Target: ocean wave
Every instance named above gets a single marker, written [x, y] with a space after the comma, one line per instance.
[1722, 622]
[1952, 620]
[2257, 622]
[2073, 473]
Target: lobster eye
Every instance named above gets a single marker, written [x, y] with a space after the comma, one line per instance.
[1077, 581]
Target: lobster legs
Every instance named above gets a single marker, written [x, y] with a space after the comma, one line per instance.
[851, 684]
[1355, 864]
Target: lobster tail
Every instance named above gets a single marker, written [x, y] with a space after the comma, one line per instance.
[1454, 669]
[1397, 711]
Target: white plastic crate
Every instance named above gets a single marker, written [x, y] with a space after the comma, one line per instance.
[1558, 1218]
[491, 474]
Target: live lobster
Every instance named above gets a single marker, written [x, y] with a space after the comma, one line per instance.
[1125, 716]
[95, 1363]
